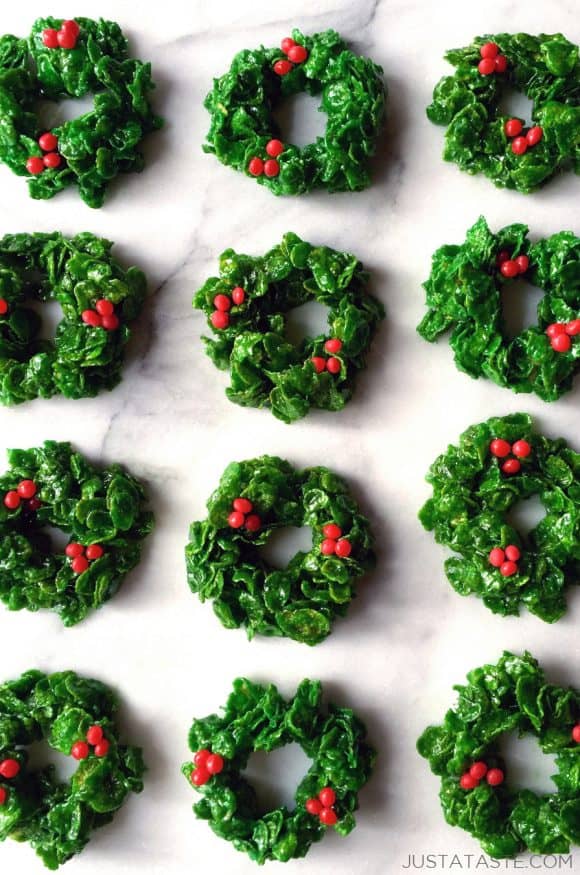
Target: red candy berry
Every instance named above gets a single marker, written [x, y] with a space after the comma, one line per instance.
[94, 735]
[238, 295]
[521, 449]
[200, 758]
[275, 148]
[282, 67]
[256, 167]
[501, 257]
[94, 551]
[9, 768]
[509, 268]
[534, 135]
[555, 328]
[468, 782]
[489, 50]
[50, 38]
[500, 448]
[222, 302]
[478, 770]
[486, 66]
[236, 520]
[12, 500]
[328, 546]
[500, 64]
[512, 552]
[219, 319]
[513, 127]
[34, 504]
[287, 44]
[3, 307]
[102, 748]
[214, 763]
[79, 564]
[35, 165]
[26, 488]
[71, 26]
[47, 142]
[523, 262]
[104, 307]
[511, 466]
[91, 317]
[561, 342]
[333, 345]
[576, 733]
[66, 39]
[343, 548]
[253, 523]
[333, 365]
[73, 550]
[519, 145]
[496, 557]
[494, 777]
[3, 796]
[573, 328]
[328, 817]
[243, 505]
[79, 750]
[52, 160]
[319, 363]
[313, 806]
[271, 167]
[110, 323]
[200, 776]
[332, 531]
[508, 569]
[327, 796]
[297, 54]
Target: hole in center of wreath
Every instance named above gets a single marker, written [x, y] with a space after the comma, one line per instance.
[525, 515]
[527, 767]
[307, 320]
[515, 104]
[283, 545]
[51, 114]
[276, 775]
[300, 119]
[49, 313]
[41, 755]
[520, 302]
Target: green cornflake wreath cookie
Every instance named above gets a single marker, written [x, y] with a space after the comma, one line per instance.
[497, 464]
[77, 717]
[101, 510]
[68, 59]
[257, 718]
[247, 305]
[480, 139]
[224, 562]
[464, 295]
[244, 133]
[512, 696]
[98, 299]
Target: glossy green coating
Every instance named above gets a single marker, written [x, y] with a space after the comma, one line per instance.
[300, 601]
[57, 818]
[76, 272]
[257, 718]
[92, 505]
[266, 369]
[512, 696]
[242, 105]
[96, 146]
[464, 296]
[469, 510]
[546, 69]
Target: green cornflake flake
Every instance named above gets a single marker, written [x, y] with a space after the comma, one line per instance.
[225, 564]
[242, 104]
[468, 512]
[93, 506]
[266, 370]
[57, 818]
[464, 294]
[96, 146]
[257, 718]
[546, 69]
[512, 696]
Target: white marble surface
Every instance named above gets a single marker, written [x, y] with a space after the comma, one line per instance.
[408, 638]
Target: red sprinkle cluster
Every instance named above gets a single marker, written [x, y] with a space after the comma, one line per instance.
[3, 307]
[506, 560]
[270, 167]
[9, 768]
[206, 765]
[491, 60]
[511, 267]
[500, 448]
[331, 364]
[103, 316]
[321, 806]
[242, 515]
[471, 778]
[560, 334]
[522, 142]
[576, 733]
[65, 38]
[220, 318]
[81, 556]
[295, 54]
[332, 545]
[48, 143]
[95, 739]
[26, 490]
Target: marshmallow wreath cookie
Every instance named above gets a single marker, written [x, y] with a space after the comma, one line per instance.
[247, 306]
[76, 716]
[101, 510]
[98, 298]
[464, 296]
[64, 59]
[465, 750]
[496, 465]
[481, 139]
[257, 718]
[245, 135]
[254, 499]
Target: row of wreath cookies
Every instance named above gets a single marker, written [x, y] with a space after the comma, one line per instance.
[320, 373]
